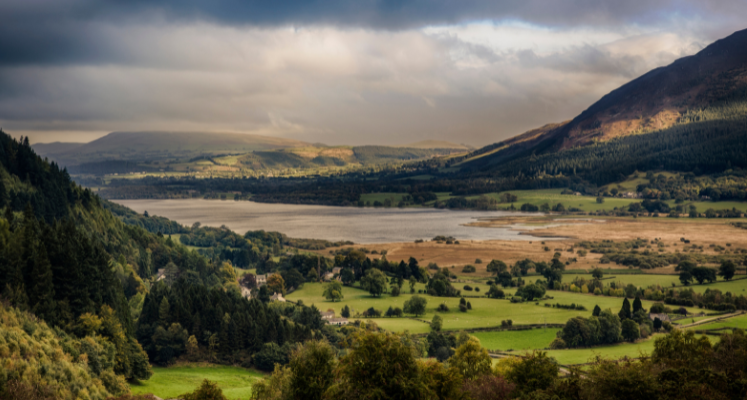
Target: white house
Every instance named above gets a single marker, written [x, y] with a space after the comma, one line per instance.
[277, 297]
[327, 315]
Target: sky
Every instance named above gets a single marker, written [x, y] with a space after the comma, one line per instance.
[336, 72]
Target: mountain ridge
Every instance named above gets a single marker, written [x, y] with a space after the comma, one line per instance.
[655, 101]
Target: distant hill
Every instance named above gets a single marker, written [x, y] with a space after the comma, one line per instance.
[147, 145]
[435, 144]
[708, 86]
[217, 154]
[55, 147]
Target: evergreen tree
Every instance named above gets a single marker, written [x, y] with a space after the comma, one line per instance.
[41, 288]
[9, 216]
[345, 312]
[637, 305]
[163, 312]
[596, 311]
[3, 194]
[625, 310]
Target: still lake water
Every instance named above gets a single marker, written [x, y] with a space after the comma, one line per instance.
[360, 225]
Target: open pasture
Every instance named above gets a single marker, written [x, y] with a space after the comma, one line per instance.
[638, 280]
[517, 340]
[613, 352]
[485, 312]
[171, 382]
[736, 322]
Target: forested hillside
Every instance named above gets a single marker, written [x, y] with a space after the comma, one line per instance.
[65, 258]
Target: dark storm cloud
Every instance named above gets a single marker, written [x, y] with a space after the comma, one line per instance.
[70, 31]
[342, 72]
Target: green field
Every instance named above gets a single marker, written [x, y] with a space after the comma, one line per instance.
[171, 382]
[736, 286]
[736, 322]
[582, 356]
[485, 312]
[517, 340]
[371, 197]
[638, 280]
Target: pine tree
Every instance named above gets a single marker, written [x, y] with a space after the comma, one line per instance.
[596, 311]
[41, 288]
[163, 312]
[625, 310]
[637, 305]
[9, 216]
[3, 194]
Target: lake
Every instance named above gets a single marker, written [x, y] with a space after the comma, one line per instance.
[360, 225]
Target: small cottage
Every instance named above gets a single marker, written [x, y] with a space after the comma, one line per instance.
[662, 317]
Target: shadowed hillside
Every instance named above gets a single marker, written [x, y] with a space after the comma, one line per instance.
[710, 85]
[146, 145]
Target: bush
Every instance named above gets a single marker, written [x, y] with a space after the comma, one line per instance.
[467, 288]
[495, 293]
[477, 289]
[442, 307]
[207, 391]
[469, 268]
[557, 344]
[656, 308]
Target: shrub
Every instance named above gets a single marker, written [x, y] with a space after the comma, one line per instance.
[557, 344]
[207, 391]
[469, 268]
[478, 261]
[442, 307]
[467, 288]
[488, 387]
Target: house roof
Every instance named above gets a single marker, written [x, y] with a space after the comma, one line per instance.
[662, 317]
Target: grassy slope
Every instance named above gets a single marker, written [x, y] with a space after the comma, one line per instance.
[235, 382]
[517, 340]
[582, 356]
[485, 313]
[584, 203]
[738, 322]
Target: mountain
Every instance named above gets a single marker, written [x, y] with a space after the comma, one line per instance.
[55, 147]
[146, 145]
[693, 91]
[660, 97]
[435, 144]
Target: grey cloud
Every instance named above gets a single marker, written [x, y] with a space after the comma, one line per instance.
[69, 31]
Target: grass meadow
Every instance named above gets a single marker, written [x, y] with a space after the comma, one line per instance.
[736, 322]
[613, 352]
[485, 312]
[171, 382]
[517, 340]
